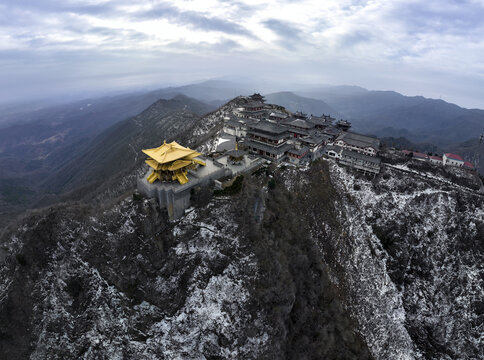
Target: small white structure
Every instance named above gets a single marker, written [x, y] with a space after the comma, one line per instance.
[452, 160]
[238, 127]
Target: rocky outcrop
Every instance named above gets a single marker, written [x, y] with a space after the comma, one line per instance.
[80, 282]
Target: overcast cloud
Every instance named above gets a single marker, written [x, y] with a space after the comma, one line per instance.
[428, 47]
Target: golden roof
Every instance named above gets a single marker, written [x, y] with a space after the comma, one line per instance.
[170, 152]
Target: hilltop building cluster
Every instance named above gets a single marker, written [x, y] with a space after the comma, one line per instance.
[272, 132]
[261, 132]
[447, 159]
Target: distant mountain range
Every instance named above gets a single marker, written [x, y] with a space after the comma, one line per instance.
[388, 113]
[294, 102]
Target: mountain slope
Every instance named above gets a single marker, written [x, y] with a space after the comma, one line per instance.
[117, 151]
[126, 282]
[89, 163]
[53, 137]
[416, 256]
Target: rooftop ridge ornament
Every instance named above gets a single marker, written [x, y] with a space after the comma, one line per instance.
[171, 161]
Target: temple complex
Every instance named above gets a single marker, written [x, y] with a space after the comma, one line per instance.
[265, 132]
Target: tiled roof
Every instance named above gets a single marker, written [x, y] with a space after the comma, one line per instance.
[254, 104]
[453, 157]
[269, 127]
[300, 114]
[270, 149]
[278, 114]
[300, 151]
[315, 138]
[468, 165]
[360, 140]
[420, 155]
[300, 123]
[333, 148]
[330, 130]
[267, 135]
[317, 121]
[362, 157]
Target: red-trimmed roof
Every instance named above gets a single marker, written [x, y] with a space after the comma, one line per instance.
[420, 155]
[436, 158]
[469, 165]
[454, 157]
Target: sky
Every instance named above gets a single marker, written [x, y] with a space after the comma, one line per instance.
[432, 48]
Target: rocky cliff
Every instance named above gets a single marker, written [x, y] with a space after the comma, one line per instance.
[301, 264]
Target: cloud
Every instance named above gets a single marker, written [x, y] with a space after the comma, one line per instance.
[81, 8]
[284, 29]
[222, 46]
[365, 42]
[193, 19]
[448, 16]
[289, 35]
[355, 38]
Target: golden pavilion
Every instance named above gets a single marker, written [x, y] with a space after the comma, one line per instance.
[171, 162]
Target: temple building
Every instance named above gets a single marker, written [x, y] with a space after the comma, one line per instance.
[300, 115]
[257, 97]
[321, 122]
[343, 125]
[315, 142]
[298, 127]
[254, 110]
[238, 127]
[171, 162]
[360, 143]
[295, 156]
[360, 162]
[178, 171]
[278, 116]
[268, 139]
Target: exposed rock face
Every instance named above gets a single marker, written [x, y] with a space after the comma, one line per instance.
[124, 282]
[413, 259]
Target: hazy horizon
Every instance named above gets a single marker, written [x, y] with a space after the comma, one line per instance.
[80, 49]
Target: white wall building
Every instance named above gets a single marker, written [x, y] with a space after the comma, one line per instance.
[452, 160]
